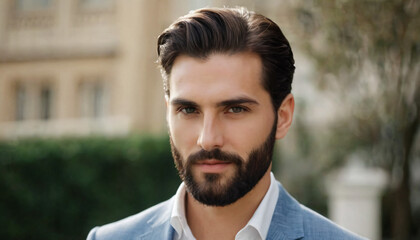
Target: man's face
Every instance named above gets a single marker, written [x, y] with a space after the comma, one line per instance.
[222, 125]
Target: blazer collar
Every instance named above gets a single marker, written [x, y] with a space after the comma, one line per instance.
[160, 225]
[286, 223]
[287, 220]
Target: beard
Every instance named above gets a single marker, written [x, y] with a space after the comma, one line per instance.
[216, 191]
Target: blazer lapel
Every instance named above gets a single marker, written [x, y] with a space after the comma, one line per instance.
[160, 227]
[162, 231]
[286, 223]
[287, 220]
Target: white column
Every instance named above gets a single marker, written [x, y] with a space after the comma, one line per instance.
[355, 198]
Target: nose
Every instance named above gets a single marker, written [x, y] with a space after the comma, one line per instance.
[211, 135]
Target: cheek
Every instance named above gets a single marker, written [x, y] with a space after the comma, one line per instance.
[249, 135]
[183, 134]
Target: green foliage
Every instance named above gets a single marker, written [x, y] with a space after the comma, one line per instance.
[61, 188]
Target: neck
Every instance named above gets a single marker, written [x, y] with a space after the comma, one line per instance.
[209, 222]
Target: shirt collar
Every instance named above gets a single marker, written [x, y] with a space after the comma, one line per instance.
[261, 219]
[259, 222]
[178, 218]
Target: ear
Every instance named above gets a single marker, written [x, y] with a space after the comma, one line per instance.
[285, 116]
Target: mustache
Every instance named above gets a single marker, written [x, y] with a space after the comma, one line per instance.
[214, 154]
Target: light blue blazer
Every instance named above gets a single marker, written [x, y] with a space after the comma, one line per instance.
[291, 220]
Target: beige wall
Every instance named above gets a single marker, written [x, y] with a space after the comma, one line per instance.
[73, 52]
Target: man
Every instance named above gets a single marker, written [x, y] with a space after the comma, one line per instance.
[227, 78]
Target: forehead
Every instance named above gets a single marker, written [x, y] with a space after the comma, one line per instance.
[217, 77]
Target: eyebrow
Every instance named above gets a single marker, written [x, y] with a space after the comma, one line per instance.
[229, 102]
[185, 102]
[237, 101]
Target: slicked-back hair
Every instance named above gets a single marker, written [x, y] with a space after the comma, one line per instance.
[228, 31]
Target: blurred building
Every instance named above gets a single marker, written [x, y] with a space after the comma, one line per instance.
[79, 67]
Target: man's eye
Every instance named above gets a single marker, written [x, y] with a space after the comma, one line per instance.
[188, 110]
[236, 109]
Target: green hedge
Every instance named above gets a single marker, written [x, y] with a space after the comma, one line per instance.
[61, 188]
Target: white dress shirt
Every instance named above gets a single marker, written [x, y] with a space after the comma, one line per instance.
[255, 229]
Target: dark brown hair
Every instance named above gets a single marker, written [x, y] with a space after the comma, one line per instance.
[230, 30]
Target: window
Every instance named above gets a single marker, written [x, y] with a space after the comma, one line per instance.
[98, 100]
[92, 12]
[33, 101]
[45, 106]
[95, 4]
[93, 100]
[32, 14]
[20, 99]
[33, 5]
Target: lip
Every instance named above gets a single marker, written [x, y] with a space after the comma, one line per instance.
[212, 165]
